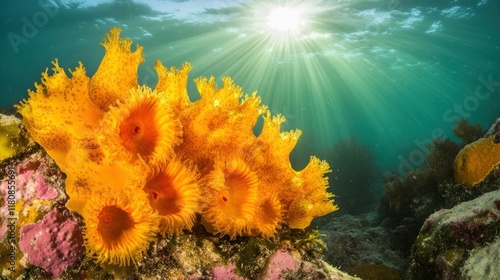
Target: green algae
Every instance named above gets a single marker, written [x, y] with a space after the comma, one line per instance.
[12, 141]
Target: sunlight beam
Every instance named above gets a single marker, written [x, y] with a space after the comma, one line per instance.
[285, 19]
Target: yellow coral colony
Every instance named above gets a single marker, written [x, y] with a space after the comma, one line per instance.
[474, 162]
[138, 160]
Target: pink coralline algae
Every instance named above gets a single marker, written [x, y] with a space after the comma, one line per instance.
[279, 262]
[225, 273]
[44, 191]
[35, 187]
[53, 243]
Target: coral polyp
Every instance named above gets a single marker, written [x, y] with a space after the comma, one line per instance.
[138, 160]
[173, 190]
[231, 193]
[118, 227]
[268, 216]
[142, 125]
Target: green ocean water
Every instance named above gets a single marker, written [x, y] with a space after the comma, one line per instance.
[392, 74]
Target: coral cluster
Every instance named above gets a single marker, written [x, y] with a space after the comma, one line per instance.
[138, 160]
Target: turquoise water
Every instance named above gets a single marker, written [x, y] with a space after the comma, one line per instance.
[393, 74]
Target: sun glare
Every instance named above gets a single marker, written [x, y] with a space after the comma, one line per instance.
[285, 19]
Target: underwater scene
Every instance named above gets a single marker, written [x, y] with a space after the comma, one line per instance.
[192, 139]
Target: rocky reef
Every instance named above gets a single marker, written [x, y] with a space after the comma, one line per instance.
[53, 243]
[430, 225]
[462, 241]
[448, 211]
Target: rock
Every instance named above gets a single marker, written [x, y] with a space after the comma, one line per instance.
[483, 263]
[35, 185]
[459, 241]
